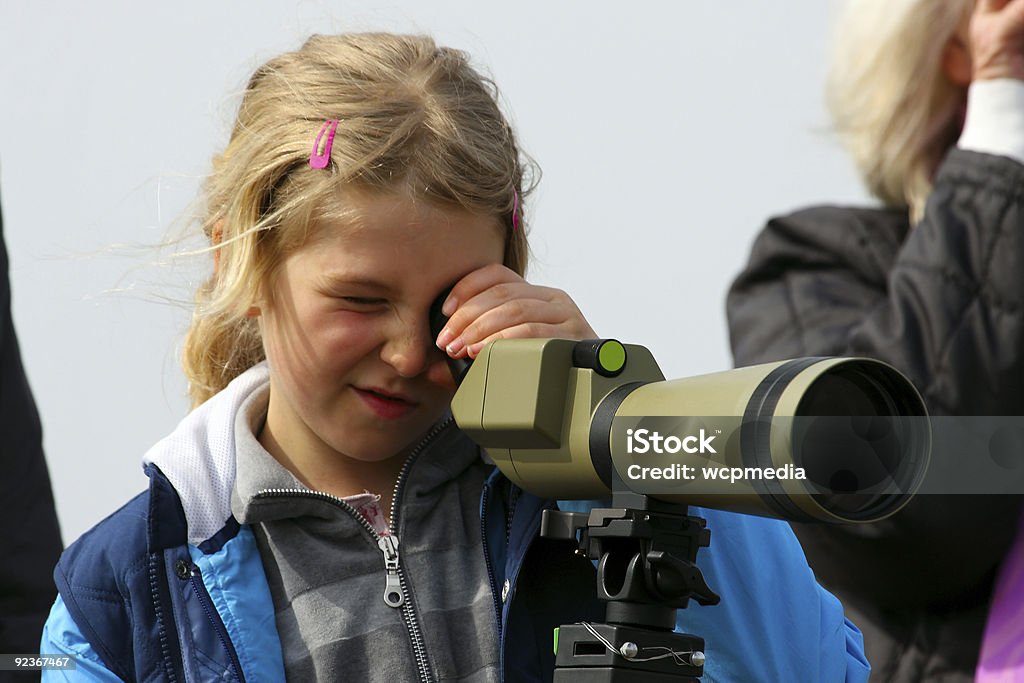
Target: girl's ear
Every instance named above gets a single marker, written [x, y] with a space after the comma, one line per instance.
[215, 237]
[956, 61]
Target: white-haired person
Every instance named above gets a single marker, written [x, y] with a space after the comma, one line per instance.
[928, 98]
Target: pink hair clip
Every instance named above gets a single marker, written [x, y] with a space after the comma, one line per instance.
[515, 210]
[321, 157]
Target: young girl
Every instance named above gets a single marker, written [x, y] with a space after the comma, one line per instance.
[318, 516]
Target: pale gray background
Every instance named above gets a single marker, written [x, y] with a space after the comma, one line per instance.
[668, 133]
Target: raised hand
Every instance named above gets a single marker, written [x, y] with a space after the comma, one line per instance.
[493, 302]
[997, 39]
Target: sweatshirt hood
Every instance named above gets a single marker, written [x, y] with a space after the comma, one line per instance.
[199, 456]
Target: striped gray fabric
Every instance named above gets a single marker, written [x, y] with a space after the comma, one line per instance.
[327, 575]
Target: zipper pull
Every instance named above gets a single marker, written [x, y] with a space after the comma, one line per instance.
[393, 596]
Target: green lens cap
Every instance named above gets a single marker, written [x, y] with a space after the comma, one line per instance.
[604, 356]
[611, 356]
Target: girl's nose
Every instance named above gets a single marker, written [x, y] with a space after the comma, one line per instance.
[411, 351]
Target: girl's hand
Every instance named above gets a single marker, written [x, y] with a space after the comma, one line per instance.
[494, 303]
[997, 39]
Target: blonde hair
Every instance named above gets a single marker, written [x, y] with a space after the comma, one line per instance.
[892, 104]
[412, 116]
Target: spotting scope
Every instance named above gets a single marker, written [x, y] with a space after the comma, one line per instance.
[809, 439]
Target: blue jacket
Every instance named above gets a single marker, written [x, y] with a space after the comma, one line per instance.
[142, 597]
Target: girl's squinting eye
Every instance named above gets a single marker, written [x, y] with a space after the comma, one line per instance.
[363, 300]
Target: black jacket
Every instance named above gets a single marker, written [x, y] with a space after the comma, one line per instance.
[944, 303]
[28, 522]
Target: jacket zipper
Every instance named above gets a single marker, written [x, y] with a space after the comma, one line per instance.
[487, 559]
[154, 590]
[396, 585]
[199, 588]
[495, 589]
[513, 500]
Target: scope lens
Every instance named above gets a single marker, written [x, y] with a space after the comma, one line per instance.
[857, 440]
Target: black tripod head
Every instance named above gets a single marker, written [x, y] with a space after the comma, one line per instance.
[646, 552]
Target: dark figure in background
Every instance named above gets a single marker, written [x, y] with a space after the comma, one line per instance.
[933, 283]
[29, 534]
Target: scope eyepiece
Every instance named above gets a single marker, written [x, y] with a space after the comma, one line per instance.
[458, 366]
